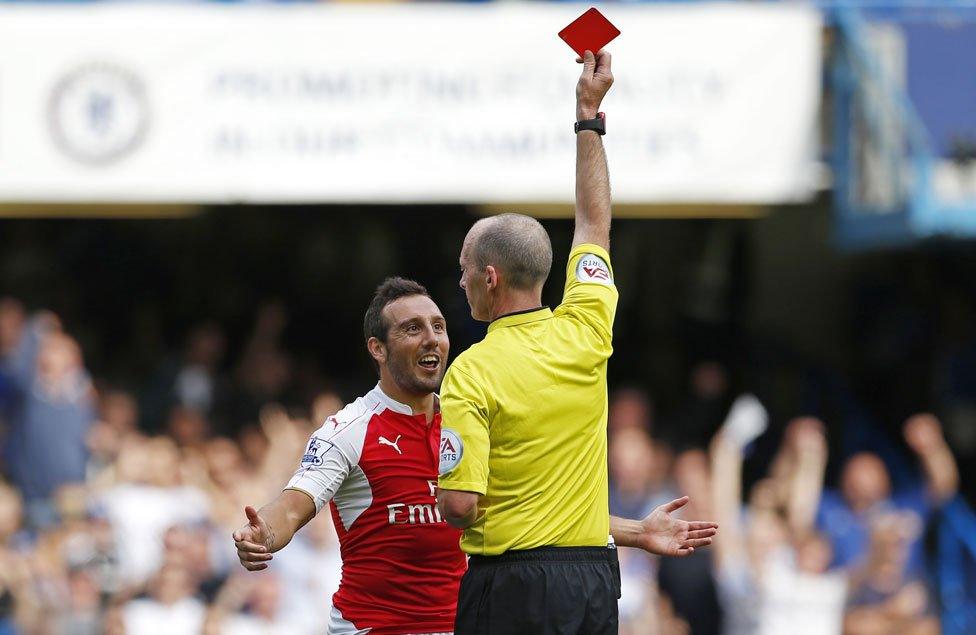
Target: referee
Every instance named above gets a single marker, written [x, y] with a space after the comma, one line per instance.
[524, 434]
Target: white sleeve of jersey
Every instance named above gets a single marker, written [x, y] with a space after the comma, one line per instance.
[332, 452]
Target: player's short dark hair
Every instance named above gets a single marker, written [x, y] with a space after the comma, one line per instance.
[391, 290]
[517, 243]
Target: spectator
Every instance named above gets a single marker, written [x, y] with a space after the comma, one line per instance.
[770, 567]
[639, 599]
[83, 614]
[118, 421]
[630, 408]
[196, 548]
[637, 474]
[171, 607]
[19, 604]
[324, 405]
[310, 570]
[845, 516]
[148, 499]
[885, 596]
[227, 481]
[188, 427]
[12, 321]
[263, 373]
[194, 381]
[11, 518]
[690, 585]
[51, 412]
[249, 605]
[699, 417]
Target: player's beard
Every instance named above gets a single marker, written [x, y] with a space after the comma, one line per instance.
[404, 371]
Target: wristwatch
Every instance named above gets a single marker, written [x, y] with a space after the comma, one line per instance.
[598, 125]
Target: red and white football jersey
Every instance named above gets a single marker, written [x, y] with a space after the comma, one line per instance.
[376, 464]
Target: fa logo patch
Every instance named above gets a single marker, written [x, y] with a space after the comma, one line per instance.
[451, 450]
[593, 268]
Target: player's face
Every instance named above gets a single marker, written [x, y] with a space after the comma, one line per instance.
[474, 285]
[417, 344]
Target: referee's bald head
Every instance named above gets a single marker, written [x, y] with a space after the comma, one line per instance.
[516, 244]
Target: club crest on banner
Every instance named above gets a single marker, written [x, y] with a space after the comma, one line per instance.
[98, 114]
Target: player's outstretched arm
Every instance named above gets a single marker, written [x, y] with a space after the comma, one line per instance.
[592, 177]
[663, 534]
[272, 528]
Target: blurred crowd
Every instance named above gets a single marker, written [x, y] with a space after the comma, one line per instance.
[117, 503]
[792, 556]
[117, 508]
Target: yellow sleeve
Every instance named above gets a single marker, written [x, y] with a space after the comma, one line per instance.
[590, 295]
[464, 422]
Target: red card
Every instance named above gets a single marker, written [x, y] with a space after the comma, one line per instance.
[589, 32]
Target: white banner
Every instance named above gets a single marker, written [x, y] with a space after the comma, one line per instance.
[428, 103]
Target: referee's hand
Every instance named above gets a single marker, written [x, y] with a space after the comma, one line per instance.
[665, 535]
[594, 82]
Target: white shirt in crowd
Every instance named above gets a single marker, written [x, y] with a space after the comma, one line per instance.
[149, 617]
[801, 603]
[140, 516]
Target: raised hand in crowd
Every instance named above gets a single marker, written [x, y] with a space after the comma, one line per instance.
[287, 438]
[923, 434]
[808, 444]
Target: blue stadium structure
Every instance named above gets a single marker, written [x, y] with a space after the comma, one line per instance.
[903, 162]
[903, 139]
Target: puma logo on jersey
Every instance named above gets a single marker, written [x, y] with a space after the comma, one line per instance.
[392, 444]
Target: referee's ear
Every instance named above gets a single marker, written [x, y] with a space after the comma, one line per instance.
[377, 350]
[491, 277]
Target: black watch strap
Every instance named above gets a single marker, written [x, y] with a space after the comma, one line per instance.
[598, 125]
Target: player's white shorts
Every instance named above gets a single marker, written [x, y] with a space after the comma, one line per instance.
[340, 626]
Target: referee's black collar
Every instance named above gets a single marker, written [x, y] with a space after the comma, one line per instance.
[520, 317]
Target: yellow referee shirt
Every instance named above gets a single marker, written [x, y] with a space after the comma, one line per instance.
[524, 419]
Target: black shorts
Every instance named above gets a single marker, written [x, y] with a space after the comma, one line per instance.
[545, 591]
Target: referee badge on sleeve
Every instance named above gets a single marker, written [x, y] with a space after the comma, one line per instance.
[593, 268]
[451, 450]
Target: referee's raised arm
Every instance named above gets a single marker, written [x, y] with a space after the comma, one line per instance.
[592, 177]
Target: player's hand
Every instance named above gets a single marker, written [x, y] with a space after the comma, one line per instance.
[923, 433]
[253, 542]
[665, 535]
[593, 83]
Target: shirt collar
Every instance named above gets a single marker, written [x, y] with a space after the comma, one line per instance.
[377, 396]
[520, 317]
